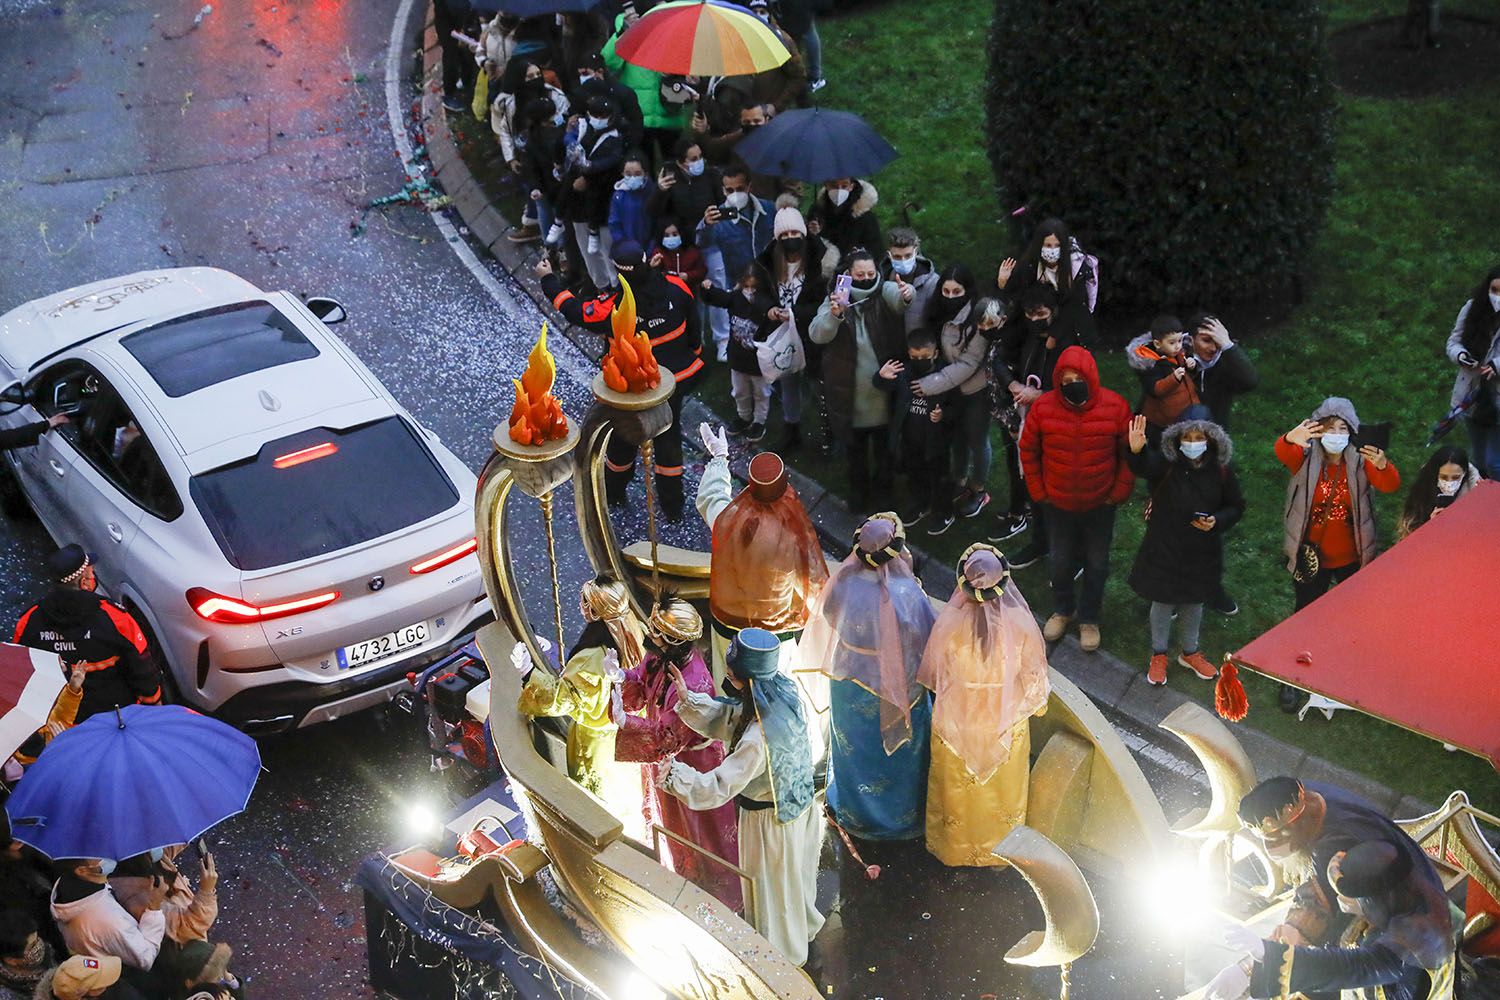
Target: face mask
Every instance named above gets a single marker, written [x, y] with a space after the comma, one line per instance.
[729, 689]
[737, 199]
[1449, 487]
[584, 78]
[951, 307]
[792, 244]
[156, 854]
[1495, 301]
[1051, 255]
[694, 169]
[629, 183]
[1076, 393]
[598, 124]
[749, 293]
[1038, 326]
[106, 867]
[904, 267]
[764, 18]
[1193, 450]
[920, 365]
[749, 127]
[865, 284]
[838, 196]
[671, 242]
[1334, 443]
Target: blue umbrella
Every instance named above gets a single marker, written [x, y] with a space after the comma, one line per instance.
[121, 783]
[816, 145]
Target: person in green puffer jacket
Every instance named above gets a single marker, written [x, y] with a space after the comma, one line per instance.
[663, 124]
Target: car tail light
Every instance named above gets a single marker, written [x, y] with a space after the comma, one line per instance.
[442, 559]
[317, 451]
[229, 611]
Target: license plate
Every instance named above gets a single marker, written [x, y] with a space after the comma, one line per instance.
[382, 646]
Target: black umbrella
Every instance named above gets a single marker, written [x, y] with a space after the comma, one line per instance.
[815, 145]
[532, 8]
[1450, 420]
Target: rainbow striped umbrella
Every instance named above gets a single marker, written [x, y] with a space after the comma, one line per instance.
[701, 38]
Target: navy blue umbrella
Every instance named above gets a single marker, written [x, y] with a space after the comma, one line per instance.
[532, 8]
[815, 145]
[119, 784]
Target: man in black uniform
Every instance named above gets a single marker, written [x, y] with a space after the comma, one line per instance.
[667, 313]
[80, 626]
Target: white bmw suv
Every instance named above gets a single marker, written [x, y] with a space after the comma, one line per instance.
[293, 539]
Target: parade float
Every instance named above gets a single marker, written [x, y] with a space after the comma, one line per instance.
[565, 903]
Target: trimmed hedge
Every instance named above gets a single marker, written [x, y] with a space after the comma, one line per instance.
[1189, 143]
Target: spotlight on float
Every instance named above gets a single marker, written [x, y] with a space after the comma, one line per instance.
[1180, 898]
[421, 821]
[638, 987]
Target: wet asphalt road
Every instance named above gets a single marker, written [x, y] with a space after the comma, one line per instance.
[252, 139]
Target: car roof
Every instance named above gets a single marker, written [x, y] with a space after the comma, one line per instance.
[37, 330]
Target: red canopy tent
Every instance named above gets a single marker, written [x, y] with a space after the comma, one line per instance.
[1414, 637]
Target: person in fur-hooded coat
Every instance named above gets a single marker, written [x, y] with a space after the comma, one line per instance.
[1180, 562]
[843, 213]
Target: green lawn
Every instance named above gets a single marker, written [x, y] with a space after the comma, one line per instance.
[1406, 238]
[1409, 232]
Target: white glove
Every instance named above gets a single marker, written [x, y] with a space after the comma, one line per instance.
[1243, 941]
[612, 671]
[520, 658]
[1231, 983]
[716, 444]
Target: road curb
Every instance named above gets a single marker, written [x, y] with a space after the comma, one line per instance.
[1105, 678]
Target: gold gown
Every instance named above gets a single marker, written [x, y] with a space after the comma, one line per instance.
[967, 817]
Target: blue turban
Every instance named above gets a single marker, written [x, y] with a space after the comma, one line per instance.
[753, 657]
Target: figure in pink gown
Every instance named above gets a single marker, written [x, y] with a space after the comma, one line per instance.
[651, 732]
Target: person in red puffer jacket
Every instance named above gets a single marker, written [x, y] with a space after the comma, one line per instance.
[1073, 449]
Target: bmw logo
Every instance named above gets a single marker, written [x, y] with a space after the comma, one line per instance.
[376, 583]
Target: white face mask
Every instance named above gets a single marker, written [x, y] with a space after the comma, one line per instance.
[1051, 255]
[737, 199]
[904, 267]
[694, 168]
[106, 867]
[1449, 487]
[598, 124]
[671, 242]
[1193, 450]
[1334, 443]
[1495, 301]
[838, 195]
[629, 183]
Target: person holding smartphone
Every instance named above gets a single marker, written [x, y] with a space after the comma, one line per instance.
[1329, 529]
[1195, 497]
[1474, 346]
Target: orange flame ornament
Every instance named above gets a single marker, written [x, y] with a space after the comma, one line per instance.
[629, 365]
[536, 417]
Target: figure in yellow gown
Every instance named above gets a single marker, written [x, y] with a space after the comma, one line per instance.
[611, 643]
[987, 668]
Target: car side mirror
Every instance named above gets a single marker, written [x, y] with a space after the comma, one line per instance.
[328, 310]
[16, 394]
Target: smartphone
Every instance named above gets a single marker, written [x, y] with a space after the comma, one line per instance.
[1378, 435]
[728, 213]
[202, 844]
[841, 287]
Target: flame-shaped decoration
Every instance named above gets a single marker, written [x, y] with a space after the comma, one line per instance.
[629, 365]
[536, 418]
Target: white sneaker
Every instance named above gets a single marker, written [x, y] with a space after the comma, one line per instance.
[555, 235]
[817, 85]
[593, 243]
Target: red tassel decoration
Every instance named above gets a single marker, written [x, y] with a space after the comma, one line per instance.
[1229, 694]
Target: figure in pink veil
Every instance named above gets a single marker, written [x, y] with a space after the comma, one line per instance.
[987, 668]
[650, 732]
[867, 633]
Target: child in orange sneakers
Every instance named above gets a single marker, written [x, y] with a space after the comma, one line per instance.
[1194, 498]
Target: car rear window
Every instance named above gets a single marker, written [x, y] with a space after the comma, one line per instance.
[193, 352]
[320, 491]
